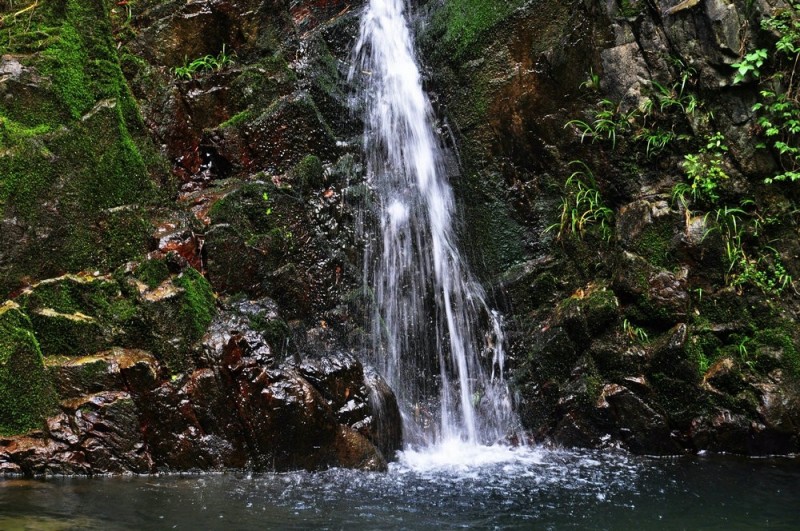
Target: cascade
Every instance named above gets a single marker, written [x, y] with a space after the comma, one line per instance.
[434, 338]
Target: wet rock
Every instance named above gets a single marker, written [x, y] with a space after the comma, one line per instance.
[669, 354]
[641, 427]
[626, 73]
[659, 296]
[234, 265]
[385, 423]
[98, 433]
[112, 370]
[106, 426]
[286, 132]
[190, 423]
[724, 376]
[340, 379]
[722, 431]
[353, 450]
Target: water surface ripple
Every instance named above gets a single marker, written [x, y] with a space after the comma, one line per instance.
[488, 488]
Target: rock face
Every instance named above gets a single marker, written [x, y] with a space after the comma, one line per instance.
[646, 311]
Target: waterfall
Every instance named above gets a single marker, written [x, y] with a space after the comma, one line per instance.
[434, 338]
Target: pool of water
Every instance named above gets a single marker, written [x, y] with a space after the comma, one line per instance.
[452, 487]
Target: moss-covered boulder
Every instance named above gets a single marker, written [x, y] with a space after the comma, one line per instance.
[26, 393]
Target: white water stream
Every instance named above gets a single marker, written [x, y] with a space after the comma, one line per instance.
[434, 337]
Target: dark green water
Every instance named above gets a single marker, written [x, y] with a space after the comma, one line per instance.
[453, 489]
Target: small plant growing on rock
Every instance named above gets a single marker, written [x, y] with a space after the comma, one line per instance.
[592, 82]
[750, 65]
[207, 63]
[582, 206]
[704, 172]
[634, 332]
[779, 108]
[268, 210]
[609, 121]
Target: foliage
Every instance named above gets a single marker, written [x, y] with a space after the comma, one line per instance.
[207, 63]
[766, 271]
[653, 123]
[750, 65]
[609, 121]
[634, 332]
[268, 210]
[779, 109]
[780, 124]
[704, 172]
[582, 206]
[676, 95]
[592, 82]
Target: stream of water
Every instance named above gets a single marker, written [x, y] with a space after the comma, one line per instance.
[434, 338]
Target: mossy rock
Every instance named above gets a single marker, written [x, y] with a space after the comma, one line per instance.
[175, 316]
[588, 313]
[75, 163]
[287, 131]
[199, 305]
[26, 392]
[77, 314]
[552, 355]
[68, 334]
[152, 272]
[249, 237]
[459, 25]
[702, 348]
[776, 348]
[309, 173]
[245, 209]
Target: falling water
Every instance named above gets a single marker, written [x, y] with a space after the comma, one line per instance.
[435, 339]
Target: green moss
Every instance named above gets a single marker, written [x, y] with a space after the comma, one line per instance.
[778, 339]
[655, 245]
[702, 349]
[630, 8]
[237, 119]
[75, 315]
[463, 23]
[68, 334]
[26, 393]
[199, 302]
[152, 272]
[74, 146]
[13, 133]
[70, 294]
[309, 172]
[64, 64]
